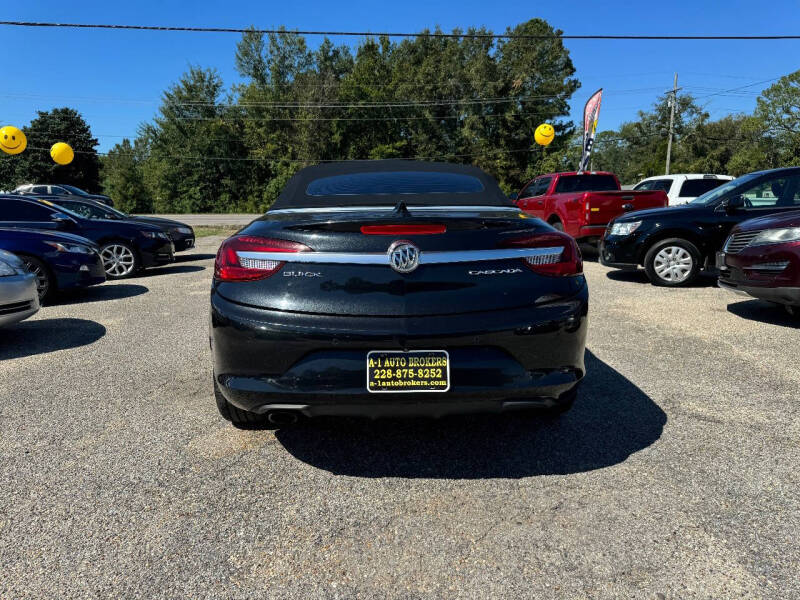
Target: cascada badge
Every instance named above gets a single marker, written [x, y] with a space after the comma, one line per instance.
[496, 272]
[403, 256]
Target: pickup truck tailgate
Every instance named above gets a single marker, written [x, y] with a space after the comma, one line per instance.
[602, 207]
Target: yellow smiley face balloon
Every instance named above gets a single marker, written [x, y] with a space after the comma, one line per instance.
[12, 140]
[544, 134]
[62, 153]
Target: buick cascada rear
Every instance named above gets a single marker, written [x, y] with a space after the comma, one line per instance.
[388, 288]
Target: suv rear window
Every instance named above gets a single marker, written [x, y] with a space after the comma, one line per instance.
[653, 185]
[393, 183]
[697, 187]
[586, 183]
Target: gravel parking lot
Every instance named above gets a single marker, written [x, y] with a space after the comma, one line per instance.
[676, 475]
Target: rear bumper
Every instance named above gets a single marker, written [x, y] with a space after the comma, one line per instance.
[591, 233]
[500, 360]
[18, 298]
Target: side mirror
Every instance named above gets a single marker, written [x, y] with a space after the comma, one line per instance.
[732, 204]
[513, 196]
[62, 221]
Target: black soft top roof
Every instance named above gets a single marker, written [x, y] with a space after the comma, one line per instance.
[388, 182]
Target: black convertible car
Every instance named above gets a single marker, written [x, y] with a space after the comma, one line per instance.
[395, 288]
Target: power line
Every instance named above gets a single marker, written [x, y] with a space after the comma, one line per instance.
[297, 160]
[324, 104]
[494, 36]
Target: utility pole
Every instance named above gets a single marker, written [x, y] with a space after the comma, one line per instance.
[672, 102]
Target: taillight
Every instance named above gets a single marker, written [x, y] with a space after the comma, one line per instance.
[418, 229]
[230, 265]
[586, 208]
[564, 259]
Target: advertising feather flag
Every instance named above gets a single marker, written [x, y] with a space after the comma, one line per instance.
[590, 114]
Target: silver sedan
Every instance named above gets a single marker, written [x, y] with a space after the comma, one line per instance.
[18, 296]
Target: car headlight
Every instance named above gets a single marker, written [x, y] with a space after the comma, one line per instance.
[625, 228]
[7, 270]
[776, 236]
[62, 247]
[155, 235]
[183, 230]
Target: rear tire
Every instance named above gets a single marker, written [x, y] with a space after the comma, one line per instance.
[241, 419]
[45, 282]
[557, 225]
[673, 262]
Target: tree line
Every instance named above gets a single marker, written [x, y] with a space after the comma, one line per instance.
[212, 148]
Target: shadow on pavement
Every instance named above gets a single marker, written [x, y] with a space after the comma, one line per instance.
[611, 420]
[764, 312]
[639, 276]
[47, 335]
[179, 258]
[99, 294]
[170, 270]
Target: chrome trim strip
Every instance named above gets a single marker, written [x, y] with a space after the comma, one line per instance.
[411, 209]
[425, 258]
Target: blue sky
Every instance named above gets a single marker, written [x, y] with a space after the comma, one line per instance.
[115, 79]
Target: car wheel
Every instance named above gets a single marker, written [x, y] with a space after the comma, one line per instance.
[119, 260]
[672, 263]
[241, 419]
[557, 225]
[45, 284]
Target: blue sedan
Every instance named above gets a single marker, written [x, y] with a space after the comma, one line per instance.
[60, 261]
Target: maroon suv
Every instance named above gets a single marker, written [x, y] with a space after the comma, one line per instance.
[761, 258]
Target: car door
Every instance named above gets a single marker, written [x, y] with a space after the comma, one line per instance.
[774, 193]
[533, 201]
[26, 214]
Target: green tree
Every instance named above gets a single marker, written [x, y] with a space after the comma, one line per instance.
[123, 179]
[197, 161]
[59, 125]
[778, 112]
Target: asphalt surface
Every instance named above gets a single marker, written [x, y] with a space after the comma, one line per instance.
[674, 476]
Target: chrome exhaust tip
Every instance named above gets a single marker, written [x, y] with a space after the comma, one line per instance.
[282, 417]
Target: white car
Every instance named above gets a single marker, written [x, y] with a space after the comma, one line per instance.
[682, 187]
[18, 296]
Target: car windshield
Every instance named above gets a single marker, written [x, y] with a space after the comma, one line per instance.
[74, 190]
[711, 197]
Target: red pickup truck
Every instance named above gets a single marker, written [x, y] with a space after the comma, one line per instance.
[583, 204]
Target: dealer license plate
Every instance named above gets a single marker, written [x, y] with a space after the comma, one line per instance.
[413, 371]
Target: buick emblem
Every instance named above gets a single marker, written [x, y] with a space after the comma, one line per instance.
[403, 256]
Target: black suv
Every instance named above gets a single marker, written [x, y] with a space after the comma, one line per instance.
[125, 247]
[674, 244]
